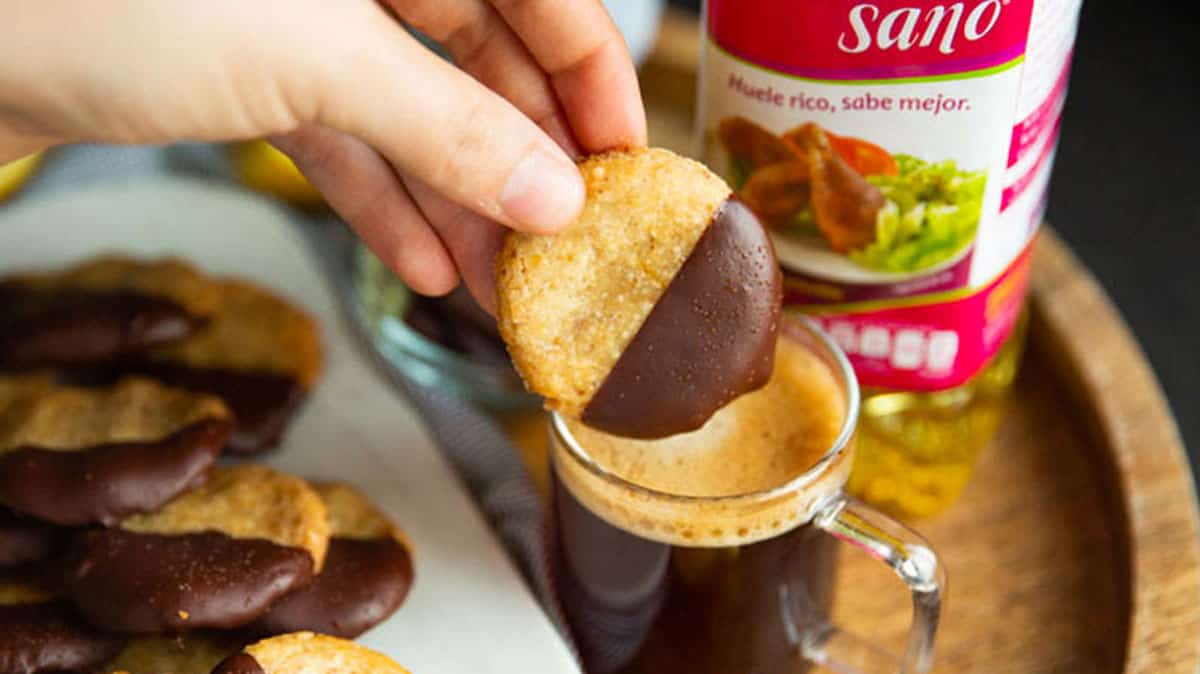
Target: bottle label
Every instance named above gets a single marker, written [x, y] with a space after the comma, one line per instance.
[900, 152]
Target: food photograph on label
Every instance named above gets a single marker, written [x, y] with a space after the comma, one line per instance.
[895, 215]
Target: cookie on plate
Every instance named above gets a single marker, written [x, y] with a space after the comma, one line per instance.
[308, 653]
[259, 353]
[100, 310]
[216, 557]
[656, 307]
[368, 572]
[77, 455]
[188, 653]
[42, 633]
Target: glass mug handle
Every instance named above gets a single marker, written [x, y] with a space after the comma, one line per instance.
[909, 556]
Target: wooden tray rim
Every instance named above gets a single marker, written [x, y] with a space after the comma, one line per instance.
[1092, 351]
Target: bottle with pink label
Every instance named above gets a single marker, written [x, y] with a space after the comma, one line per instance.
[900, 152]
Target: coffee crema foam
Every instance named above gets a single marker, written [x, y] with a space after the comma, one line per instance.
[762, 440]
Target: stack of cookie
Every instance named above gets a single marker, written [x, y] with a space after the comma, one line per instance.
[124, 547]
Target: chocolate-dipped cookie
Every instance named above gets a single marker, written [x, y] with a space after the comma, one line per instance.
[42, 633]
[24, 539]
[259, 353]
[100, 310]
[656, 307]
[368, 572]
[188, 653]
[76, 456]
[216, 557]
[307, 653]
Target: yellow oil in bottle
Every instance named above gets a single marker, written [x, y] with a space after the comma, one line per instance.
[917, 451]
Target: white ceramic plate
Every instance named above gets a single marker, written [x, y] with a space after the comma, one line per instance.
[468, 611]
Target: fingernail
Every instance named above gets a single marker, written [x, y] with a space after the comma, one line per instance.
[544, 193]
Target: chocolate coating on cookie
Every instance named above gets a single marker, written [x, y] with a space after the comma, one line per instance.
[363, 582]
[24, 540]
[49, 637]
[194, 652]
[73, 327]
[260, 354]
[710, 338]
[239, 663]
[107, 482]
[655, 306]
[145, 583]
[262, 402]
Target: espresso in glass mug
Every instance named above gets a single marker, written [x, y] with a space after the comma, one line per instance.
[714, 551]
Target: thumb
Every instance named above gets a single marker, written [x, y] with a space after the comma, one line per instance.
[435, 123]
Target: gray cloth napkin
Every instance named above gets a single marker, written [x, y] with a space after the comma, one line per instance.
[478, 448]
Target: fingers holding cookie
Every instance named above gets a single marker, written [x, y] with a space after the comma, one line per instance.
[78, 456]
[216, 557]
[659, 305]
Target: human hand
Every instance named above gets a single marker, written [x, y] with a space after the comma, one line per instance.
[428, 162]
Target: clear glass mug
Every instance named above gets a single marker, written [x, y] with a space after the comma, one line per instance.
[659, 582]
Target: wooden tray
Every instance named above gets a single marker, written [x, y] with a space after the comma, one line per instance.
[1075, 547]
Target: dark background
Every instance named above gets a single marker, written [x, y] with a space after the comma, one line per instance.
[1126, 192]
